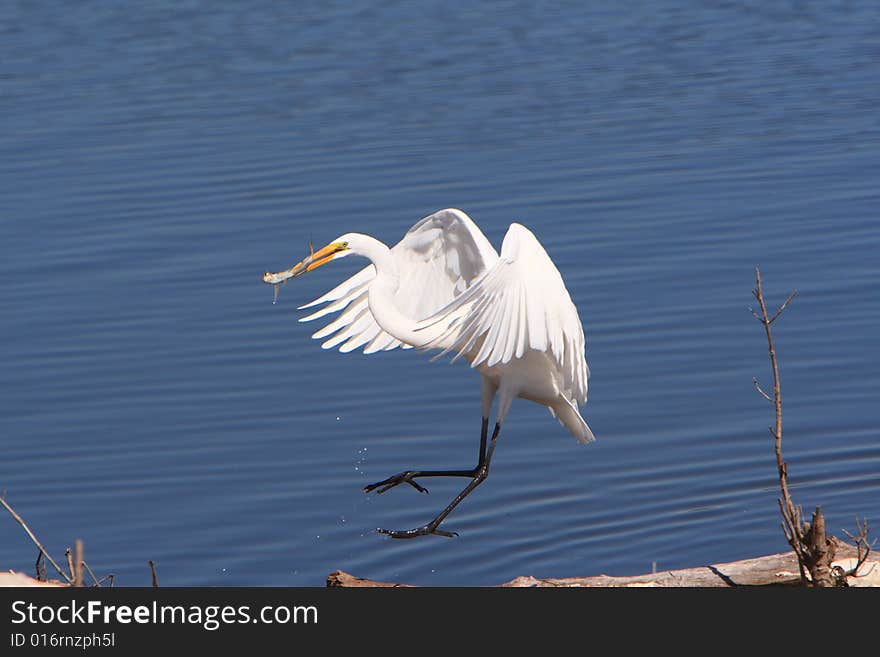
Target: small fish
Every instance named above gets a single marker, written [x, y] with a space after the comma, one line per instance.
[300, 268]
[276, 278]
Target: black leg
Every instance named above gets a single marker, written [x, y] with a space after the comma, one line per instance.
[431, 528]
[408, 476]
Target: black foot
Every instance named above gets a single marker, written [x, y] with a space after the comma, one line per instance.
[394, 480]
[424, 530]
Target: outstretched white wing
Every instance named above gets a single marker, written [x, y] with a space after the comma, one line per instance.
[438, 259]
[520, 304]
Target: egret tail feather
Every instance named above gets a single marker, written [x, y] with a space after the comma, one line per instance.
[568, 416]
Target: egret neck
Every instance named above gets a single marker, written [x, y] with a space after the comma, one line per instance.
[383, 290]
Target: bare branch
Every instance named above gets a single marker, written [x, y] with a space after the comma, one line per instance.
[761, 391]
[153, 574]
[111, 577]
[863, 547]
[40, 567]
[777, 402]
[30, 534]
[89, 571]
[814, 551]
[782, 307]
[77, 563]
[69, 556]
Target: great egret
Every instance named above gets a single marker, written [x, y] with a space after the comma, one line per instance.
[444, 287]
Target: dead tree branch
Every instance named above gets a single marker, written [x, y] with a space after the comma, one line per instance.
[78, 563]
[40, 567]
[75, 560]
[69, 555]
[96, 581]
[863, 547]
[33, 538]
[761, 390]
[769, 570]
[814, 551]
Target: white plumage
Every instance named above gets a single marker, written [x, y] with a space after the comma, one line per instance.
[443, 287]
[520, 304]
[438, 258]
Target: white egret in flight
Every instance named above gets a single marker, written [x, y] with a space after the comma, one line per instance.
[444, 287]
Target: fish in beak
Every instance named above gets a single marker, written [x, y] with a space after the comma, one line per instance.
[312, 261]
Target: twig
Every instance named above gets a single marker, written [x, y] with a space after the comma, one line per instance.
[78, 563]
[763, 394]
[782, 307]
[791, 527]
[89, 571]
[36, 541]
[111, 577]
[69, 555]
[153, 574]
[863, 547]
[40, 567]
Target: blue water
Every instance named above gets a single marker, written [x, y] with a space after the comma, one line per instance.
[156, 159]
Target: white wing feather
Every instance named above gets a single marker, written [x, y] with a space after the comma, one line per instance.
[520, 304]
[438, 259]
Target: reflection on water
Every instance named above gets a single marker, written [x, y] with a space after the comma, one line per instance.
[154, 162]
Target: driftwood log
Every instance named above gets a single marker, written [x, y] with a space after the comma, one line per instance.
[772, 570]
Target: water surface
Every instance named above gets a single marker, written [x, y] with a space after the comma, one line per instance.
[155, 160]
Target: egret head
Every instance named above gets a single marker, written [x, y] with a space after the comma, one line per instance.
[338, 248]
